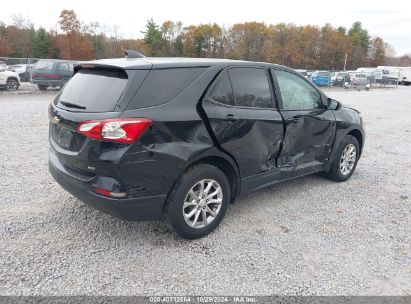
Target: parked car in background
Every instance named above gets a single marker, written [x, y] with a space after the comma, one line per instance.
[369, 72]
[18, 68]
[3, 65]
[359, 79]
[181, 138]
[341, 78]
[23, 70]
[52, 73]
[9, 80]
[321, 78]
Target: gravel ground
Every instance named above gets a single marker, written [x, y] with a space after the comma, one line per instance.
[309, 236]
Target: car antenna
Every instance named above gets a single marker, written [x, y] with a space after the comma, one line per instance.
[133, 54]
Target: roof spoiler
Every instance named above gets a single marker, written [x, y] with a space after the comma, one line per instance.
[133, 54]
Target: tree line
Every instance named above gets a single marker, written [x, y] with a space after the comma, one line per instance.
[307, 47]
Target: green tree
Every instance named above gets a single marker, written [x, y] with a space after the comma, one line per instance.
[360, 41]
[153, 37]
[42, 44]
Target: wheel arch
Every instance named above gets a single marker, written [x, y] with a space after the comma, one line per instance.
[228, 169]
[358, 136]
[13, 78]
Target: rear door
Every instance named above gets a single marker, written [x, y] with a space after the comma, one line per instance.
[310, 126]
[242, 113]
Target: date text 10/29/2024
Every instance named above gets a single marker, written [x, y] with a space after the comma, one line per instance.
[199, 299]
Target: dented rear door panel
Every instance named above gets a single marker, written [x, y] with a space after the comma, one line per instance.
[252, 136]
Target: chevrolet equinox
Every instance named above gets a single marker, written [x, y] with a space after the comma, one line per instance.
[180, 138]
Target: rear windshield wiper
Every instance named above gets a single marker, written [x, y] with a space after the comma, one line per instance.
[72, 105]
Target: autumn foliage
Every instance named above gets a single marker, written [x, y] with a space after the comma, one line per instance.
[309, 46]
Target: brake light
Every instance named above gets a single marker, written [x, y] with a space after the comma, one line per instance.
[52, 76]
[122, 130]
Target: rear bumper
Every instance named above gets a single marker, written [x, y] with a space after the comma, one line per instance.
[134, 209]
[49, 83]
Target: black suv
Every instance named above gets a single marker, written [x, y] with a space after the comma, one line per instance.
[179, 139]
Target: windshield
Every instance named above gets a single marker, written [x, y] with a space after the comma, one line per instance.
[93, 90]
[326, 74]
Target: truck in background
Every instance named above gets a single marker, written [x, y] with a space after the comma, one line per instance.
[388, 75]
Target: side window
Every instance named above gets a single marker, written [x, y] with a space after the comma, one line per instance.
[250, 87]
[222, 91]
[163, 85]
[63, 67]
[297, 94]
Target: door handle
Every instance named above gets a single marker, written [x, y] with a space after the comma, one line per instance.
[294, 119]
[230, 117]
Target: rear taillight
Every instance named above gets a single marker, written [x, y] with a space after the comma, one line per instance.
[122, 130]
[52, 76]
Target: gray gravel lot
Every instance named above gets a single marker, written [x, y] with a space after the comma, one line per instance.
[309, 236]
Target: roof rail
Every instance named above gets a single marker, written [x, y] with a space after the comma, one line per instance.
[133, 54]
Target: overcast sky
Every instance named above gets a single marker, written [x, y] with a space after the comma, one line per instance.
[390, 20]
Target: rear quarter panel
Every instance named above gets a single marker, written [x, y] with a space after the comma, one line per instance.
[177, 138]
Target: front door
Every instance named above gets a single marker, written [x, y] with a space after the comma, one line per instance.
[309, 125]
[241, 112]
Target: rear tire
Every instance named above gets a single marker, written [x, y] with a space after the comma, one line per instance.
[42, 87]
[198, 201]
[345, 160]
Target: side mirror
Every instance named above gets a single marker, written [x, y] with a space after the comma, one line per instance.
[332, 104]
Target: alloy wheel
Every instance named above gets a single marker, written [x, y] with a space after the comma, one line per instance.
[11, 85]
[202, 203]
[348, 158]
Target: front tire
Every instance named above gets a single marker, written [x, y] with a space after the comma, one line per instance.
[198, 201]
[12, 85]
[345, 160]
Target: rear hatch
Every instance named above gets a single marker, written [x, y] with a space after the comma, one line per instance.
[93, 93]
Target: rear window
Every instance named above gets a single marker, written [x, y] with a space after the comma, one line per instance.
[44, 65]
[163, 85]
[250, 87]
[93, 90]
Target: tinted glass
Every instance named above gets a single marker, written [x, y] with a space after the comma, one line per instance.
[297, 94]
[44, 65]
[250, 87]
[63, 67]
[96, 90]
[163, 85]
[222, 91]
